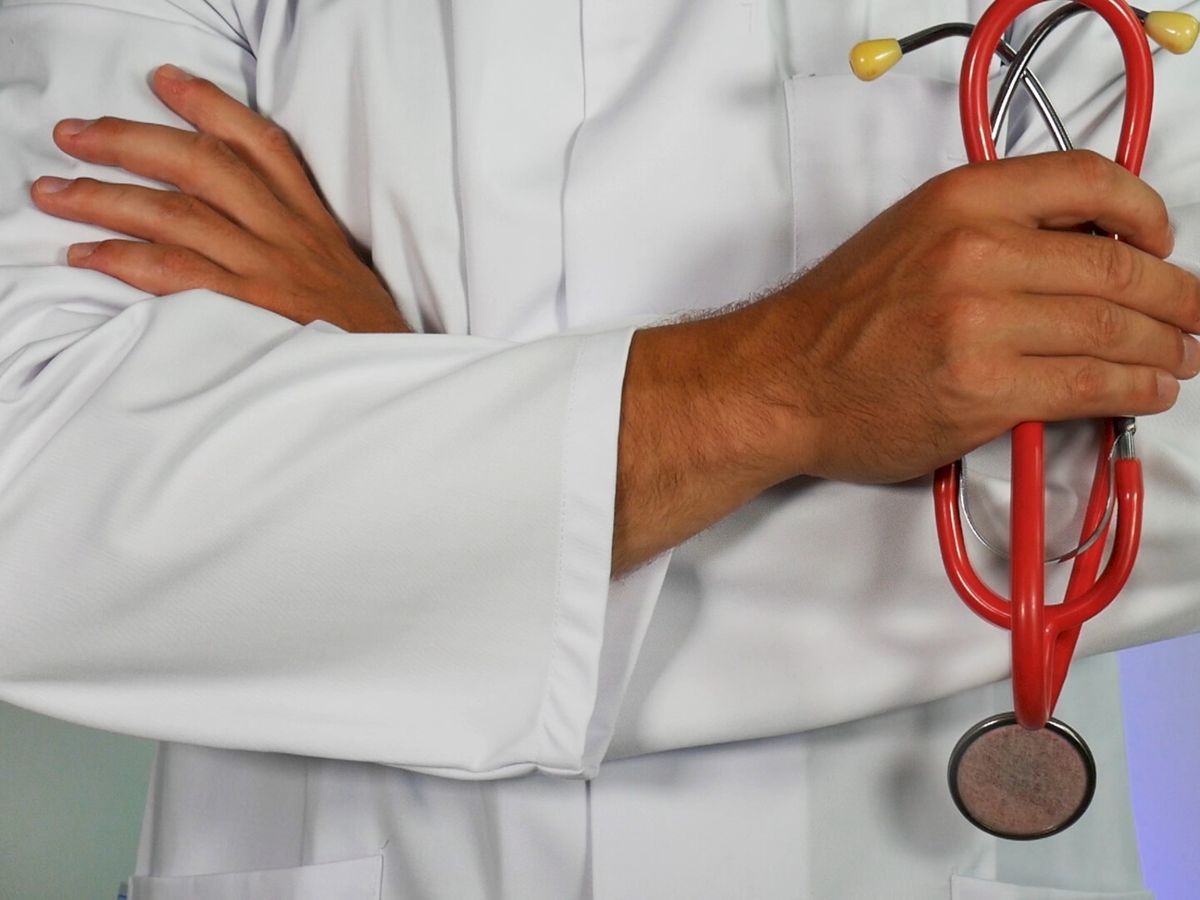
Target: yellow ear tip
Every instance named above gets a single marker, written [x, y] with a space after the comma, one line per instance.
[870, 59]
[1173, 31]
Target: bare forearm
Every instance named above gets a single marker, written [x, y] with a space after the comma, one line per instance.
[697, 432]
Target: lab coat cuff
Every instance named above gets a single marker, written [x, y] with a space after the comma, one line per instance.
[598, 623]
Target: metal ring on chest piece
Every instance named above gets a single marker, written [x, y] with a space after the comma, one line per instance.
[1019, 783]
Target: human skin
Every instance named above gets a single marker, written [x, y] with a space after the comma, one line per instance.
[971, 305]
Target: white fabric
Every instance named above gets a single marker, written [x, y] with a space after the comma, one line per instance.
[974, 889]
[357, 879]
[226, 530]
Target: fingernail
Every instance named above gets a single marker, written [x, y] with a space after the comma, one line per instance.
[1191, 354]
[1168, 386]
[174, 73]
[72, 127]
[48, 184]
[78, 252]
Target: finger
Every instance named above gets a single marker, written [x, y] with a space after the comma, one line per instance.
[164, 217]
[1061, 190]
[1079, 264]
[155, 268]
[197, 164]
[265, 146]
[1059, 389]
[1087, 326]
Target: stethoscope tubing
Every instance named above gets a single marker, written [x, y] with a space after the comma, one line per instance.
[1043, 639]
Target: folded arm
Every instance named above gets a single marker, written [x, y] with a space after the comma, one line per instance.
[231, 528]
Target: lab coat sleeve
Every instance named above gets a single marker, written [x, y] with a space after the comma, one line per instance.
[223, 528]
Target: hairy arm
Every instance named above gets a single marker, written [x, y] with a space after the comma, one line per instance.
[966, 308]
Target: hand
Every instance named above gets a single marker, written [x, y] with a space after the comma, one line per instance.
[245, 222]
[963, 310]
[970, 306]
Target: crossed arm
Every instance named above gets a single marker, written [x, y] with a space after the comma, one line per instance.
[972, 304]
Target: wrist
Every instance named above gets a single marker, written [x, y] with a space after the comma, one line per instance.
[770, 396]
[702, 375]
[708, 422]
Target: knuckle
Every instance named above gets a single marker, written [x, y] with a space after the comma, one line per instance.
[948, 189]
[277, 141]
[177, 205]
[174, 263]
[216, 151]
[963, 246]
[208, 144]
[1119, 266]
[966, 320]
[1087, 383]
[971, 381]
[1106, 326]
[1095, 171]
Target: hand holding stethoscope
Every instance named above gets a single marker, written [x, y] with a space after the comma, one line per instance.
[1024, 775]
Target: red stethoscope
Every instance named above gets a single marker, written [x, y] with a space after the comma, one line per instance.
[1024, 775]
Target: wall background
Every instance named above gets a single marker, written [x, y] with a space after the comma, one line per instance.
[71, 798]
[71, 804]
[1160, 685]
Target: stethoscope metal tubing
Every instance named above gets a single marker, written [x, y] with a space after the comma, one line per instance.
[1020, 68]
[1006, 52]
[1121, 443]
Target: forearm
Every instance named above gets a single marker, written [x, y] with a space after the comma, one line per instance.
[700, 424]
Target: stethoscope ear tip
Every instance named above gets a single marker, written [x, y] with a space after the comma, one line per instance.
[870, 59]
[1173, 31]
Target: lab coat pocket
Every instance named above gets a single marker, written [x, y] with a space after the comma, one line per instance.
[354, 879]
[962, 888]
[857, 148]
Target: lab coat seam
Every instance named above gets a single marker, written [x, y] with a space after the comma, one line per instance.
[446, 15]
[561, 307]
[791, 173]
[304, 812]
[560, 563]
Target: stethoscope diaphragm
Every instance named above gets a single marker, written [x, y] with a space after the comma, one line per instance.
[1019, 783]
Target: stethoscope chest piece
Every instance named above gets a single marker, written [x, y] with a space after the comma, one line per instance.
[1020, 783]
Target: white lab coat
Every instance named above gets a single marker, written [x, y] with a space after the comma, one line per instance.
[369, 573]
